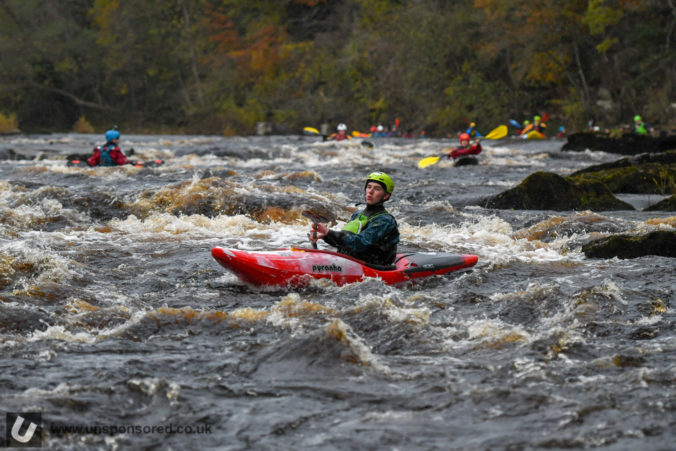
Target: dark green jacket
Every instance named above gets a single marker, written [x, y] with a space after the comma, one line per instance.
[376, 243]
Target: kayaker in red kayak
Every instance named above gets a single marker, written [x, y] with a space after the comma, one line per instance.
[465, 148]
[110, 153]
[372, 234]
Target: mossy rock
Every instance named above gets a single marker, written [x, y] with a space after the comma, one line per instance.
[645, 174]
[548, 191]
[668, 204]
[662, 243]
[644, 179]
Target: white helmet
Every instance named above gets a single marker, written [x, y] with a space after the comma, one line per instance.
[380, 128]
[342, 127]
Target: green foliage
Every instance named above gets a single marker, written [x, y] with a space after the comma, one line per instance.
[664, 181]
[220, 66]
[599, 16]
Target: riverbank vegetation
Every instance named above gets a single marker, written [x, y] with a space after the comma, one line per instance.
[221, 66]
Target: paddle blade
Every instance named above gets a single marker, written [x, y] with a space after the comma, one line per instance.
[515, 123]
[499, 133]
[310, 131]
[429, 161]
[314, 217]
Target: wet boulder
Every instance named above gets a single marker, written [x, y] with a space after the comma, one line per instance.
[643, 174]
[10, 154]
[661, 242]
[668, 204]
[627, 144]
[548, 191]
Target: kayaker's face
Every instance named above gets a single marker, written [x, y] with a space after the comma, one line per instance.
[375, 193]
[464, 143]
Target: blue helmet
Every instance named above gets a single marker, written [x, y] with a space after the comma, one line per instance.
[112, 134]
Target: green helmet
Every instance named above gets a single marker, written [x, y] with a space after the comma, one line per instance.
[382, 178]
[537, 118]
[637, 118]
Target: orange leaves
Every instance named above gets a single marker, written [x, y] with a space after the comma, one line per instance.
[222, 32]
[258, 53]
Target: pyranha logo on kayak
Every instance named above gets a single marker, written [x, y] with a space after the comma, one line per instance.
[327, 268]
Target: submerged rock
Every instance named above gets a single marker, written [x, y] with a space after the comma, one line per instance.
[628, 144]
[662, 243]
[10, 154]
[548, 191]
[466, 161]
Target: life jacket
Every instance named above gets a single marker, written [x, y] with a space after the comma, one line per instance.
[359, 223]
[104, 155]
[639, 128]
[526, 129]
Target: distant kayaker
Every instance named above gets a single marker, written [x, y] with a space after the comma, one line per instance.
[371, 234]
[538, 125]
[472, 131]
[380, 132]
[640, 127]
[526, 127]
[562, 132]
[110, 153]
[340, 135]
[465, 148]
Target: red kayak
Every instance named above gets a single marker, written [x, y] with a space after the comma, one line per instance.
[298, 267]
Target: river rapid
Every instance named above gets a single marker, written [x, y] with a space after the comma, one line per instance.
[118, 327]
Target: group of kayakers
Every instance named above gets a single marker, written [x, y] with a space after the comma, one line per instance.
[372, 233]
[638, 127]
[375, 131]
[535, 129]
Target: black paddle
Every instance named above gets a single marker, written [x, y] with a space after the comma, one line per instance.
[316, 219]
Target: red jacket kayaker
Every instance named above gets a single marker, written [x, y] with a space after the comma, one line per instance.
[109, 154]
[340, 135]
[465, 148]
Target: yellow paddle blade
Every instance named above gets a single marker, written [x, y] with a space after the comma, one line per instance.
[356, 134]
[499, 132]
[429, 161]
[311, 130]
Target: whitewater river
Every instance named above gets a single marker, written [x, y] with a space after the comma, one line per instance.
[121, 331]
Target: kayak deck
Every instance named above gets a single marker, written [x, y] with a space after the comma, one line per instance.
[298, 266]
